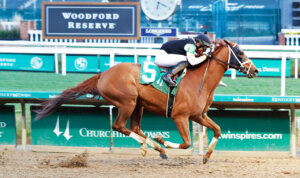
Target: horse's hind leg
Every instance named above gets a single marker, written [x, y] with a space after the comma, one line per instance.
[135, 126]
[207, 122]
[124, 113]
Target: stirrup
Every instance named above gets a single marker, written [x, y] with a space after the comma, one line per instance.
[169, 81]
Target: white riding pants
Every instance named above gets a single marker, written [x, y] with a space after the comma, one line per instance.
[168, 60]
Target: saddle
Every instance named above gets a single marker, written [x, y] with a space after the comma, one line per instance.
[154, 72]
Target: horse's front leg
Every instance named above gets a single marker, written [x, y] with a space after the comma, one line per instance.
[207, 122]
[182, 124]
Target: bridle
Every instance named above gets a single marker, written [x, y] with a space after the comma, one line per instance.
[233, 57]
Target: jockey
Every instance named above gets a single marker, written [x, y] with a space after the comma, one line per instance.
[178, 54]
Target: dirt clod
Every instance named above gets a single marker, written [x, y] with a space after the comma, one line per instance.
[80, 160]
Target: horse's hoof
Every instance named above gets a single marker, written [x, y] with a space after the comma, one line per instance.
[205, 159]
[144, 149]
[157, 138]
[143, 152]
[163, 156]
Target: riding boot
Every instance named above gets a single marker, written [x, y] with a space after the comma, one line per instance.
[177, 68]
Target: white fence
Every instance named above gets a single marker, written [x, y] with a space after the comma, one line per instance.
[292, 40]
[292, 37]
[135, 49]
[37, 36]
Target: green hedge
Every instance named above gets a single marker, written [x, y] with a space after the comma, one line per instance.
[10, 34]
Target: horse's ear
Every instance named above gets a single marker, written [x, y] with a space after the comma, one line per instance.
[219, 42]
[226, 41]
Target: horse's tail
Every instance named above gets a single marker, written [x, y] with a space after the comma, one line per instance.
[88, 86]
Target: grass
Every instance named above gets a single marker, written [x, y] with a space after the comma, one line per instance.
[36, 81]
[259, 86]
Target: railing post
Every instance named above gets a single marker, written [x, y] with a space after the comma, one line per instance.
[111, 59]
[24, 130]
[56, 63]
[287, 40]
[233, 74]
[201, 141]
[148, 58]
[63, 64]
[30, 33]
[293, 131]
[111, 130]
[283, 72]
[296, 68]
[135, 57]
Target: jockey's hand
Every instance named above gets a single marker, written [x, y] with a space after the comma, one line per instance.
[199, 52]
[208, 52]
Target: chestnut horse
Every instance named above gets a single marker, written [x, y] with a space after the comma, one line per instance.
[120, 86]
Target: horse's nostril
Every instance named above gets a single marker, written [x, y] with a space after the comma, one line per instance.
[256, 71]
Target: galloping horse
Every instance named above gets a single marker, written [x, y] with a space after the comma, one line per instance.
[120, 86]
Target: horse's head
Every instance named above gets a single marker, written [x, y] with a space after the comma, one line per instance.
[239, 60]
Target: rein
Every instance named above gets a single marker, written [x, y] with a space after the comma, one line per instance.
[202, 83]
[227, 65]
[219, 61]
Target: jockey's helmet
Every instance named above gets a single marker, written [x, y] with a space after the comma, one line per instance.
[203, 40]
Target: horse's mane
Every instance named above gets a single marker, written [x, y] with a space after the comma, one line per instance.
[219, 43]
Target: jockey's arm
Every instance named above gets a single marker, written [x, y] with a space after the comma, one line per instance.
[195, 60]
[190, 55]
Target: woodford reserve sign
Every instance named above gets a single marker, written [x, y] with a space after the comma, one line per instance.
[84, 20]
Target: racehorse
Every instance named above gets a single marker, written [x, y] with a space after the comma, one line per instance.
[119, 86]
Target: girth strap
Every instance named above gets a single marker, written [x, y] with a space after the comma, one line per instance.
[170, 102]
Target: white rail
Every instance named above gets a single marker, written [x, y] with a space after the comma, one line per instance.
[276, 48]
[79, 44]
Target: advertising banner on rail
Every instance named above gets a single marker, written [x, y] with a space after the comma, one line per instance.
[82, 63]
[7, 125]
[268, 68]
[84, 20]
[105, 61]
[90, 127]
[29, 62]
[252, 130]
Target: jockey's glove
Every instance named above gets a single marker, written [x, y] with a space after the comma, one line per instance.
[208, 52]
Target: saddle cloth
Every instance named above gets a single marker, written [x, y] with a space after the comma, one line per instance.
[151, 74]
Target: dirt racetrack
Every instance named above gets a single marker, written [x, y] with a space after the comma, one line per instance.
[40, 164]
